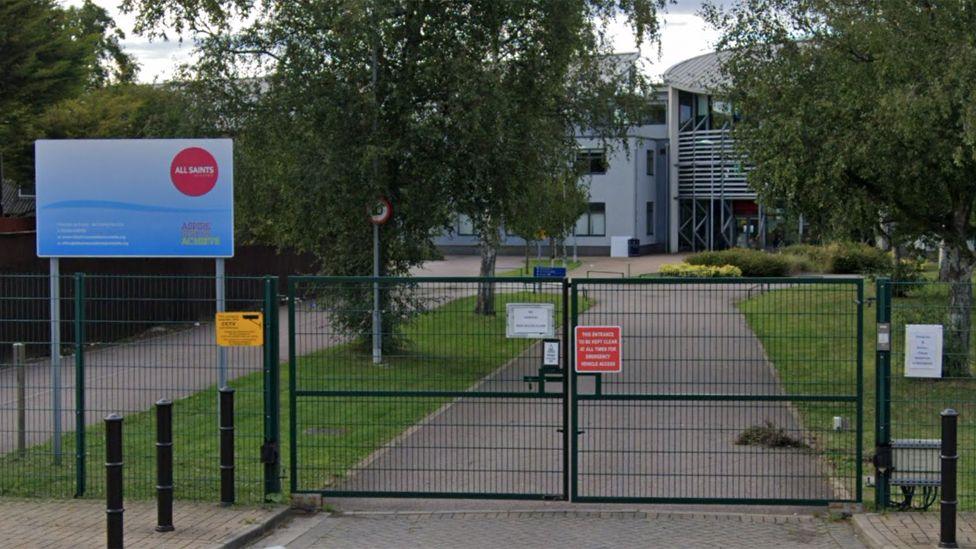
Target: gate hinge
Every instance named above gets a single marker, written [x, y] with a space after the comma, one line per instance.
[882, 457]
[269, 452]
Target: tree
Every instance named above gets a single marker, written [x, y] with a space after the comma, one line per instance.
[126, 111]
[550, 211]
[441, 106]
[869, 103]
[50, 54]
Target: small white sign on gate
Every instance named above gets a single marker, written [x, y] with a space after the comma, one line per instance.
[923, 350]
[530, 320]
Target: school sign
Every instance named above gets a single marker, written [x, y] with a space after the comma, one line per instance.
[135, 198]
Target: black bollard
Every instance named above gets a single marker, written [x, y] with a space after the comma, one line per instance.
[226, 446]
[164, 465]
[950, 458]
[113, 480]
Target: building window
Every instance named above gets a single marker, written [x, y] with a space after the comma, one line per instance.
[593, 222]
[657, 114]
[686, 106]
[464, 226]
[592, 161]
[650, 219]
[650, 161]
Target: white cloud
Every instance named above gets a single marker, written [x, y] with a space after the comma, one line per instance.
[683, 35]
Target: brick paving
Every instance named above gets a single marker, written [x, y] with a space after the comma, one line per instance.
[81, 523]
[583, 528]
[901, 530]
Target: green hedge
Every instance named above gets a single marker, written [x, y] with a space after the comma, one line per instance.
[842, 258]
[700, 271]
[856, 258]
[750, 262]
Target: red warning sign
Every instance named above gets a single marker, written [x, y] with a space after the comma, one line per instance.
[598, 349]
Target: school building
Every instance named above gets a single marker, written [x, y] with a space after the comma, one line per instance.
[674, 184]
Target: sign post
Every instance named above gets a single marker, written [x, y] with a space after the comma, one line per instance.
[379, 214]
[132, 198]
[55, 294]
[220, 291]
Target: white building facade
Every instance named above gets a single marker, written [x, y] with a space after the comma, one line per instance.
[673, 184]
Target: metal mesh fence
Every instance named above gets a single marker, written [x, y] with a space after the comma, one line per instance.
[915, 403]
[728, 391]
[126, 342]
[455, 407]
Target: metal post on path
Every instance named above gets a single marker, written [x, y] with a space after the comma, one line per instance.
[950, 459]
[379, 213]
[377, 317]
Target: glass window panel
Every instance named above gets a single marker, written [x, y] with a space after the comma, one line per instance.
[598, 221]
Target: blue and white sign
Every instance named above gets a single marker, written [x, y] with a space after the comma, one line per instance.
[551, 272]
[135, 198]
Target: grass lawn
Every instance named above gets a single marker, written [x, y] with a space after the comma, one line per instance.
[450, 348]
[558, 262]
[811, 356]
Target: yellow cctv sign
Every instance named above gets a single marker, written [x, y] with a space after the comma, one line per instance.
[240, 329]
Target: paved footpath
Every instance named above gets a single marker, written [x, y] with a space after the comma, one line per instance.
[904, 530]
[583, 528]
[81, 524]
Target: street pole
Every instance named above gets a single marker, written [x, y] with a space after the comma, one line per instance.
[55, 294]
[221, 306]
[377, 317]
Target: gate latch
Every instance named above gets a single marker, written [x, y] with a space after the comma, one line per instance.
[884, 336]
[882, 457]
[269, 452]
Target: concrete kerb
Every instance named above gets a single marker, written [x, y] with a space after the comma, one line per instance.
[257, 531]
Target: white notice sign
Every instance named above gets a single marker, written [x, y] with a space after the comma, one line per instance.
[923, 350]
[530, 320]
[550, 352]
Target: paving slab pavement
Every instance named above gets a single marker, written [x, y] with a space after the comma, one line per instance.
[30, 523]
[911, 529]
[579, 527]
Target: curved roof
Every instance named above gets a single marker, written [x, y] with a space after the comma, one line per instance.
[701, 74]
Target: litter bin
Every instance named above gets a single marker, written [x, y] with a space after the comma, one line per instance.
[633, 247]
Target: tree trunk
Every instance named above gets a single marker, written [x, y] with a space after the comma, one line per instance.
[488, 247]
[958, 270]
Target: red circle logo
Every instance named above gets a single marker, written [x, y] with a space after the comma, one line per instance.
[193, 171]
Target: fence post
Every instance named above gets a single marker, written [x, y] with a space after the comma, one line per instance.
[226, 446]
[270, 454]
[950, 458]
[19, 360]
[113, 480]
[882, 418]
[164, 465]
[79, 327]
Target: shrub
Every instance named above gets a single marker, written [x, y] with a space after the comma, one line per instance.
[907, 275]
[700, 271]
[750, 262]
[817, 258]
[857, 258]
[800, 264]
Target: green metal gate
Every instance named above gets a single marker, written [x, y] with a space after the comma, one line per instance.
[730, 391]
[907, 420]
[454, 409]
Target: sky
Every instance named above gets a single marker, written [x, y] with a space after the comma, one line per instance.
[683, 35]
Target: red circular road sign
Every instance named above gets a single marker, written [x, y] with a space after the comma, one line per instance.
[193, 171]
[380, 212]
